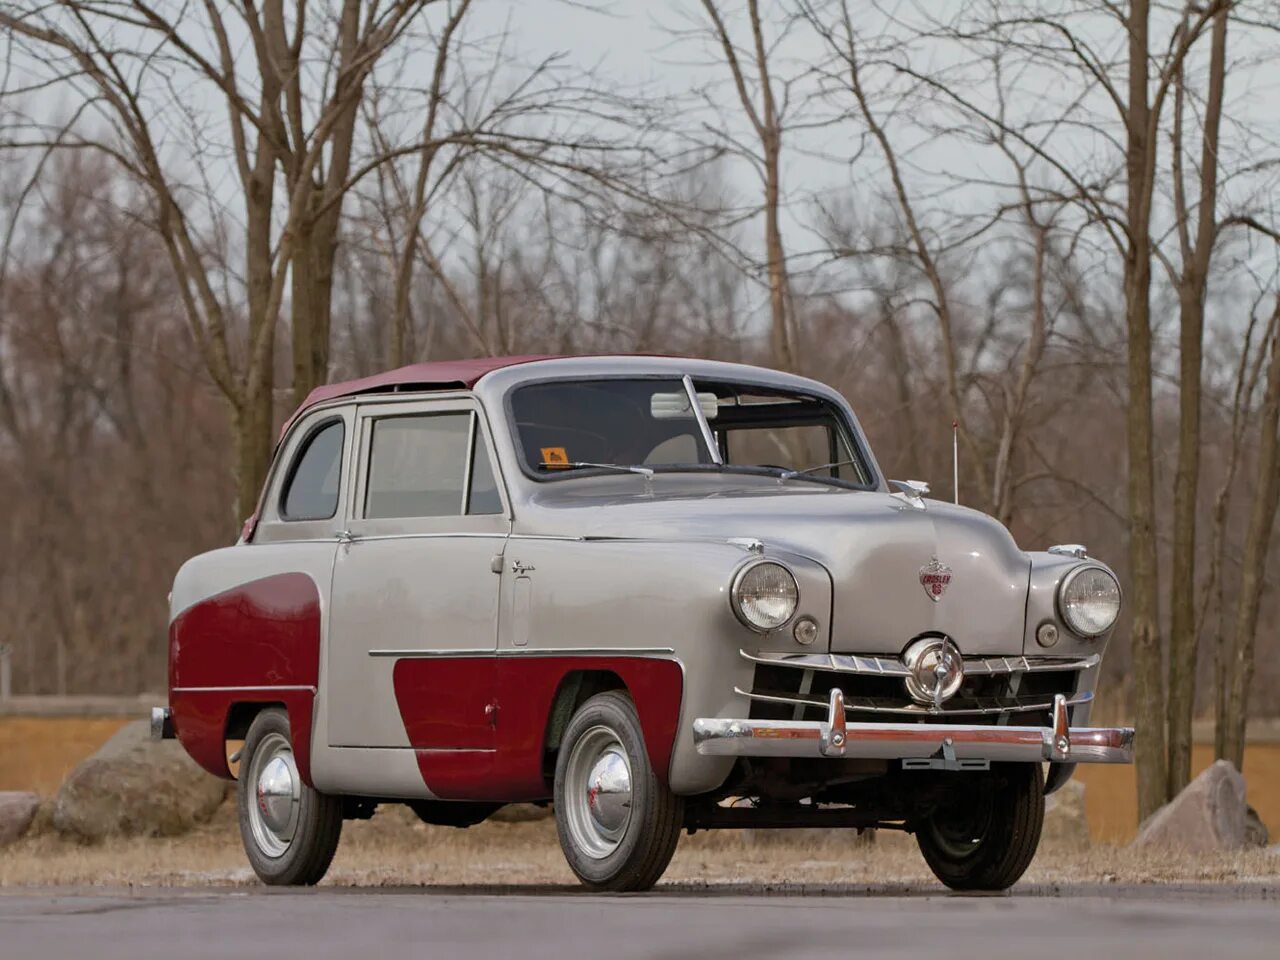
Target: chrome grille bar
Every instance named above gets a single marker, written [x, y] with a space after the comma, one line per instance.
[868, 705]
[893, 667]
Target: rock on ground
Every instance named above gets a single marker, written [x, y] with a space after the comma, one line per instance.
[1065, 822]
[17, 810]
[1206, 817]
[136, 786]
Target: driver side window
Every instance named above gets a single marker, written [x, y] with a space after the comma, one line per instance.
[429, 465]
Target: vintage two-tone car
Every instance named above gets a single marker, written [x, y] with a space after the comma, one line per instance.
[667, 594]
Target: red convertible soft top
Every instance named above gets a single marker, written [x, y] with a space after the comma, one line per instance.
[436, 374]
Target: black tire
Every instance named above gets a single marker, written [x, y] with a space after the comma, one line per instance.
[636, 859]
[986, 837]
[316, 821]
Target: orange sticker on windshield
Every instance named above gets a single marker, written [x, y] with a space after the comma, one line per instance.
[554, 457]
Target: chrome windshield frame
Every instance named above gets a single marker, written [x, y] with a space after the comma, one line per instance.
[708, 437]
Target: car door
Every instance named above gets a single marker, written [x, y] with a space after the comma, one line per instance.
[413, 632]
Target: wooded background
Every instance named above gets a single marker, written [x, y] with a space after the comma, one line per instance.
[1053, 223]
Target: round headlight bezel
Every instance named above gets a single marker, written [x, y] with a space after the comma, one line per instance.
[1064, 612]
[735, 595]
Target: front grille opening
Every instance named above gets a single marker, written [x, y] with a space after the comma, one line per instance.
[1020, 698]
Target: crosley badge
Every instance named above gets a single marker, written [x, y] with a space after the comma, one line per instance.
[934, 577]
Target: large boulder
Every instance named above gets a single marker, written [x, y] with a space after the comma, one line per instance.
[1066, 825]
[17, 810]
[136, 786]
[1207, 817]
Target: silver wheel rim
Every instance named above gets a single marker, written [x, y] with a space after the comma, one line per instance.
[277, 795]
[597, 792]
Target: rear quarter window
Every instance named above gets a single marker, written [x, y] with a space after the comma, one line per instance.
[311, 490]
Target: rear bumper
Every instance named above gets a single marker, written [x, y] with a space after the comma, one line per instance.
[950, 743]
[161, 724]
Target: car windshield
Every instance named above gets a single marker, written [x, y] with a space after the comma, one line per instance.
[608, 424]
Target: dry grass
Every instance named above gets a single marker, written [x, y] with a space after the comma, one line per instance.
[37, 753]
[394, 850]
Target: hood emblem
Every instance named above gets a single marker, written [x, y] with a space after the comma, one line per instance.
[935, 576]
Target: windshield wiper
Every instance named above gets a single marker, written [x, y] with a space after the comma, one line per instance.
[645, 472]
[793, 474]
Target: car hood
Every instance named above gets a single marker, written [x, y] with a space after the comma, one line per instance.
[878, 549]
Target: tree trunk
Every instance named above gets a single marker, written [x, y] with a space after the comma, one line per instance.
[784, 350]
[251, 433]
[316, 240]
[1183, 626]
[1257, 544]
[315, 249]
[1148, 687]
[1183, 639]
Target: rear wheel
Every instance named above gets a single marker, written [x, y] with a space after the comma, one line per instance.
[986, 835]
[618, 824]
[290, 831]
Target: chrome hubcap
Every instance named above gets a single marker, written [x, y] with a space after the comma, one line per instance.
[598, 792]
[273, 814]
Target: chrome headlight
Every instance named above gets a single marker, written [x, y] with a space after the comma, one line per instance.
[1089, 600]
[764, 595]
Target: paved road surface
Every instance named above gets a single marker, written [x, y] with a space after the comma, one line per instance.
[728, 924]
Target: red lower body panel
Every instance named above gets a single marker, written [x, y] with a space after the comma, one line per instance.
[200, 722]
[258, 642]
[523, 691]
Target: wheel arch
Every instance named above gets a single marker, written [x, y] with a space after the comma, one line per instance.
[655, 686]
[576, 687]
[242, 713]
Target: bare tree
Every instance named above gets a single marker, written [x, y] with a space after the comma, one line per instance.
[766, 103]
[277, 118]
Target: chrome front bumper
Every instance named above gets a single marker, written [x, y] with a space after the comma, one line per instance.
[951, 744]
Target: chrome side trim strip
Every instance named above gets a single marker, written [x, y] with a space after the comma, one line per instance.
[859, 705]
[533, 652]
[453, 535]
[588, 651]
[279, 686]
[420, 654]
[893, 667]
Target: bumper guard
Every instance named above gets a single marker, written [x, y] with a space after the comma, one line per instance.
[951, 744]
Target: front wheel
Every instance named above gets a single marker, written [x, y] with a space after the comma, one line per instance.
[618, 824]
[290, 831]
[985, 836]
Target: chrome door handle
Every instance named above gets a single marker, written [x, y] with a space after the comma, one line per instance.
[345, 536]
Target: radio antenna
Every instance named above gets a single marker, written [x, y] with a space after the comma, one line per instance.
[955, 461]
